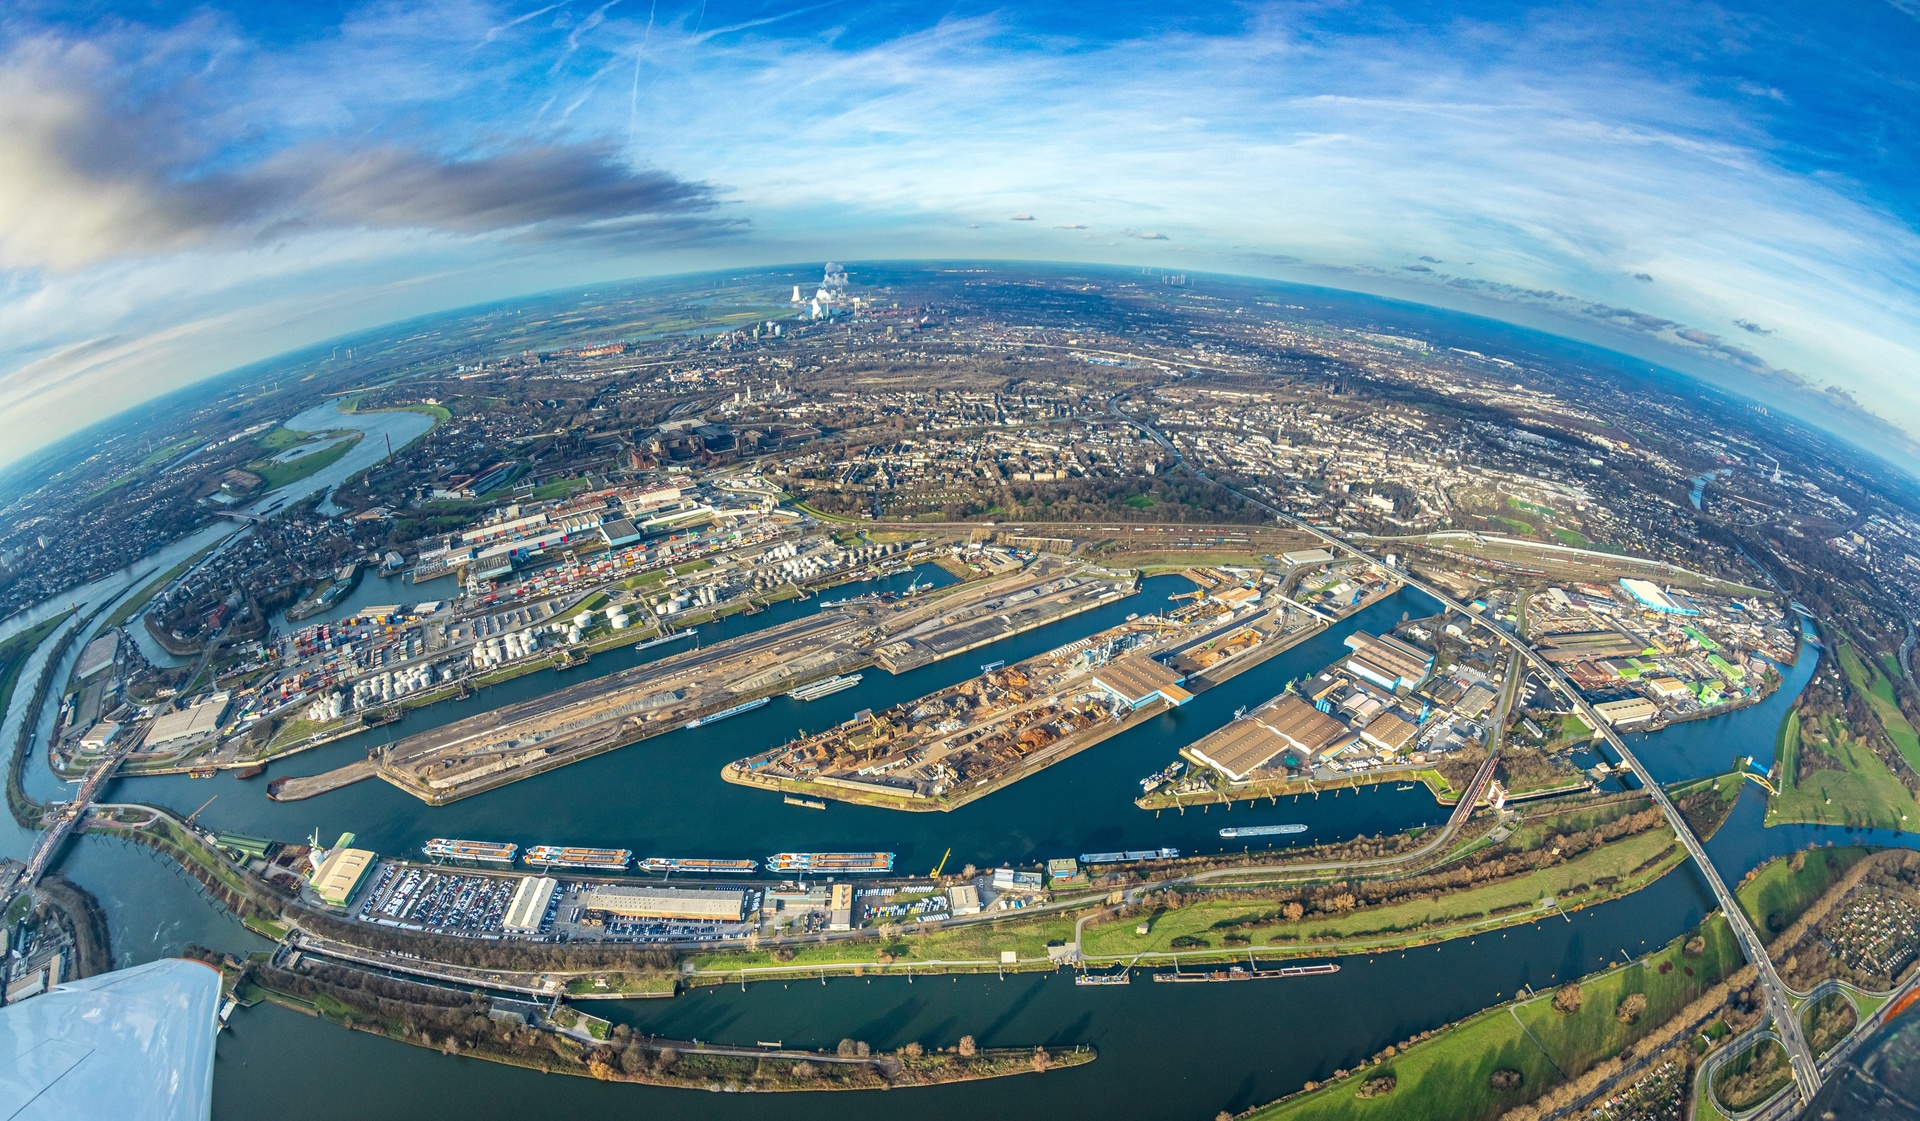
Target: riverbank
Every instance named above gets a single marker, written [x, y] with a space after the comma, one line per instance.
[561, 1040]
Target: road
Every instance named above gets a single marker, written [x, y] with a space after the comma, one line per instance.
[1806, 1072]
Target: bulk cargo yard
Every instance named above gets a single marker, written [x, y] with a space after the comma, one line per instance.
[691, 688]
[963, 742]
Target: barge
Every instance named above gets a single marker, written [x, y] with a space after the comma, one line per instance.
[716, 717]
[486, 852]
[1244, 973]
[1130, 857]
[825, 688]
[1233, 831]
[567, 856]
[831, 863]
[697, 865]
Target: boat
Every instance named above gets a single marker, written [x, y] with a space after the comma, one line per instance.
[698, 865]
[1406, 786]
[571, 658]
[207, 773]
[716, 717]
[566, 856]
[490, 852]
[835, 863]
[1160, 778]
[254, 771]
[809, 803]
[1133, 856]
[1124, 977]
[1243, 973]
[825, 688]
[850, 601]
[1233, 831]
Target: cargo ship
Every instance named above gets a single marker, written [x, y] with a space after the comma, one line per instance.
[1243, 973]
[566, 856]
[830, 863]
[824, 688]
[1160, 778]
[712, 718]
[489, 852]
[1133, 856]
[697, 865]
[1232, 831]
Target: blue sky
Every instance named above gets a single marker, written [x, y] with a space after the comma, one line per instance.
[187, 188]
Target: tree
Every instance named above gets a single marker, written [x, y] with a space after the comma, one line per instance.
[1567, 1000]
[633, 1060]
[847, 1048]
[1343, 902]
[804, 1070]
[1695, 946]
[1506, 1079]
[1041, 1060]
[668, 1058]
[1294, 912]
[1631, 1008]
[968, 1048]
[913, 1050]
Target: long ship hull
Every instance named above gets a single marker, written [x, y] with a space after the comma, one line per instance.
[831, 863]
[712, 718]
[825, 688]
[697, 865]
[562, 856]
[488, 852]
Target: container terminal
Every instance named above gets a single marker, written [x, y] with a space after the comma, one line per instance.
[468, 756]
[696, 865]
[960, 743]
[564, 856]
[486, 852]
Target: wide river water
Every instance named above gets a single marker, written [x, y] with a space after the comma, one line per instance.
[1164, 1052]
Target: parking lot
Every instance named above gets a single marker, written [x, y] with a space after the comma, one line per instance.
[443, 902]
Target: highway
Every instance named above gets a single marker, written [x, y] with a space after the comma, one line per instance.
[1806, 1072]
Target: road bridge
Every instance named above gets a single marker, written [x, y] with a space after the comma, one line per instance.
[1806, 1073]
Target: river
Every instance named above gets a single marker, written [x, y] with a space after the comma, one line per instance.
[1166, 1051]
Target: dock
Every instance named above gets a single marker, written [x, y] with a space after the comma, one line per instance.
[297, 787]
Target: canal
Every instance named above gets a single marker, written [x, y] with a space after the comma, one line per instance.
[1166, 1051]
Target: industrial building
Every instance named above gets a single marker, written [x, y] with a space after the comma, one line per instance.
[1139, 680]
[1648, 595]
[529, 906]
[840, 908]
[341, 871]
[1288, 724]
[188, 728]
[709, 905]
[1633, 710]
[1388, 661]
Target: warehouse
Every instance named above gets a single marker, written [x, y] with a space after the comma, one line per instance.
[717, 905]
[192, 727]
[531, 899]
[1387, 661]
[1290, 724]
[1139, 680]
[341, 873]
[1630, 711]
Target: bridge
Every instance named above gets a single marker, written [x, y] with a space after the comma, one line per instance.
[64, 819]
[1806, 1073]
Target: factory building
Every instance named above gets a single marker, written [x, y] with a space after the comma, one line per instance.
[528, 908]
[1138, 680]
[716, 905]
[1387, 661]
[840, 908]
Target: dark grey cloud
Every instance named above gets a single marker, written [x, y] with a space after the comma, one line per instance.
[88, 174]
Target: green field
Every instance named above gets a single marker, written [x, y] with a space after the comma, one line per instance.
[1447, 1078]
[277, 475]
[1863, 792]
[1777, 894]
[559, 488]
[1879, 693]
